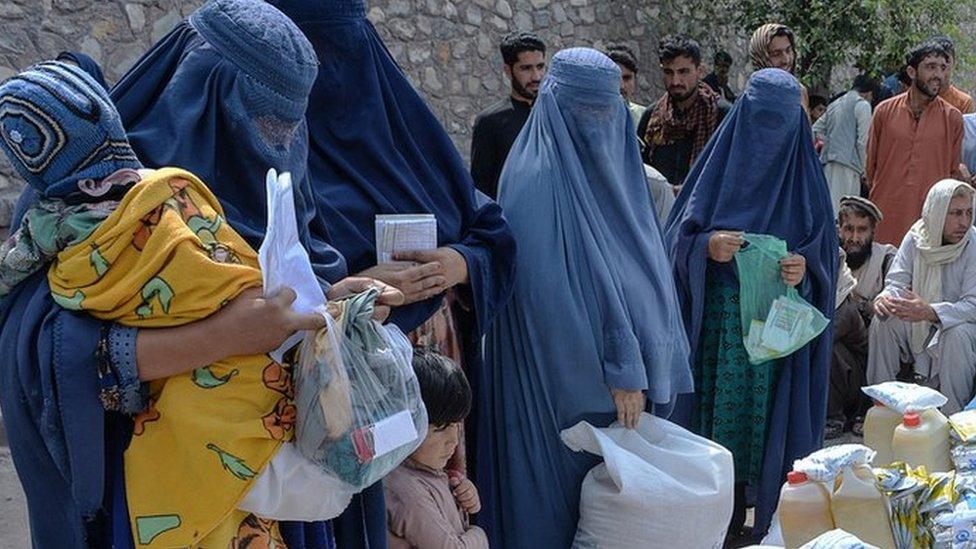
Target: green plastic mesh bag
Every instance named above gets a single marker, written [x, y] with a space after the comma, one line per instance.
[776, 321]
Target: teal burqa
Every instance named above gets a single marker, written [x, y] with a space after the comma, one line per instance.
[595, 305]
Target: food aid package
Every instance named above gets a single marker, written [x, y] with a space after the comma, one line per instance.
[359, 408]
[837, 539]
[292, 487]
[905, 397]
[776, 320]
[658, 486]
[824, 465]
[284, 261]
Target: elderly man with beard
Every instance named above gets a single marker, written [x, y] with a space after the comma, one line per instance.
[868, 262]
[495, 128]
[915, 140]
[927, 311]
[675, 130]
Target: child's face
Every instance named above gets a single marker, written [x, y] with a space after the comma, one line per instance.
[439, 446]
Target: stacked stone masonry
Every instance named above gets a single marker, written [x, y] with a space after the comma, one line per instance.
[448, 48]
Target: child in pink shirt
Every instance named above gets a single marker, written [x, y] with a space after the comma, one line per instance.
[427, 507]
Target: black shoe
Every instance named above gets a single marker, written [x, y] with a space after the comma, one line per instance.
[833, 429]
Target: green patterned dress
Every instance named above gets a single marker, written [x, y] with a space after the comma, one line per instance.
[735, 397]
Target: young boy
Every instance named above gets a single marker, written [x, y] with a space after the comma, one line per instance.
[428, 507]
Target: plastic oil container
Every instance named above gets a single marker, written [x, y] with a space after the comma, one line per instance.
[879, 431]
[804, 510]
[860, 508]
[923, 440]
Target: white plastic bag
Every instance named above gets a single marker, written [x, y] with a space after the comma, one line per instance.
[658, 486]
[360, 413]
[824, 465]
[837, 539]
[291, 487]
[284, 261]
[905, 397]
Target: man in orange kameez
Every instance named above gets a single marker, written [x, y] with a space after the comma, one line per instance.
[915, 141]
[956, 97]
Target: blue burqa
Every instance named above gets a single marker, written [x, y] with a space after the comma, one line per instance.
[61, 439]
[594, 304]
[759, 173]
[224, 95]
[376, 148]
[186, 103]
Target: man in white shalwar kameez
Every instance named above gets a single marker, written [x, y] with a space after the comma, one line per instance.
[927, 311]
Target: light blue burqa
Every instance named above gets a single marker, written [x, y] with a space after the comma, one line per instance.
[595, 305]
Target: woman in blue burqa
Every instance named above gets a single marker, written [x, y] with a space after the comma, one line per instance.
[758, 174]
[593, 331]
[224, 96]
[78, 380]
[376, 148]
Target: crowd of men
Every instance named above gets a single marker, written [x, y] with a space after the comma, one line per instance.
[883, 144]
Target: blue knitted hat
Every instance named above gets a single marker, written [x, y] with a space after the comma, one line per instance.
[263, 43]
[59, 129]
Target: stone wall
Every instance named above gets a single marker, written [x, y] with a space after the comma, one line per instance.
[448, 48]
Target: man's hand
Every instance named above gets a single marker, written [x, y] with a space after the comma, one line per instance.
[251, 324]
[465, 493]
[629, 405]
[722, 245]
[352, 285]
[912, 308]
[965, 175]
[792, 269]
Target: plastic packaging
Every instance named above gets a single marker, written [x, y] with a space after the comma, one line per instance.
[879, 431]
[824, 465]
[776, 320]
[838, 539]
[284, 261]
[964, 425]
[859, 507]
[658, 486]
[905, 397]
[922, 440]
[804, 510]
[359, 408]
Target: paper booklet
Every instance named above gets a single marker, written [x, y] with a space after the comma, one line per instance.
[396, 233]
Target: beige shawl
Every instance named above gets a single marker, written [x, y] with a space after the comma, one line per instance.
[931, 254]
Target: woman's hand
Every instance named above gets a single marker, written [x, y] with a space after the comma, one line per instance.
[248, 325]
[455, 268]
[722, 245]
[253, 325]
[792, 269]
[352, 285]
[415, 282]
[629, 405]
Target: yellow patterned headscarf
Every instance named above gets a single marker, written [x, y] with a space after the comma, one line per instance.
[166, 257]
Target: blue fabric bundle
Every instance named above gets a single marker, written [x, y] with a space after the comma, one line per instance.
[760, 174]
[594, 305]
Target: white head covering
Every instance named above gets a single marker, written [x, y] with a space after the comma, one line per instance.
[932, 254]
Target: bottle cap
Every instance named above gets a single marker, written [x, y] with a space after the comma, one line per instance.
[912, 419]
[796, 477]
